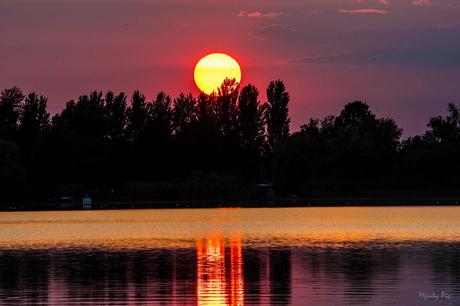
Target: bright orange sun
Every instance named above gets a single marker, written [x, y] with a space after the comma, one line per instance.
[211, 71]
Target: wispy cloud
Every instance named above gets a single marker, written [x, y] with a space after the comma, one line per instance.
[363, 11]
[385, 2]
[257, 14]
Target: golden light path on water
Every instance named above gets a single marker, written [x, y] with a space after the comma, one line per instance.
[180, 228]
[213, 285]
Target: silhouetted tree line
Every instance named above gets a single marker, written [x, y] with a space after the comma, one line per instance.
[212, 145]
[356, 153]
[111, 142]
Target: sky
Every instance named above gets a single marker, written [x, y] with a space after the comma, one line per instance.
[402, 57]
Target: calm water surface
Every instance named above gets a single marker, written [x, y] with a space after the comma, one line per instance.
[301, 256]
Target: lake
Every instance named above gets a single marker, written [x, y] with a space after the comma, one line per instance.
[300, 256]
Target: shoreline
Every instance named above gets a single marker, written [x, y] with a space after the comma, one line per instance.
[259, 203]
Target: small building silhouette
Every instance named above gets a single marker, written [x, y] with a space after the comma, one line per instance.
[87, 202]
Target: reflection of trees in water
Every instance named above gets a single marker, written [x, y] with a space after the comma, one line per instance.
[140, 274]
[162, 275]
[319, 271]
[252, 271]
[221, 271]
[161, 264]
[185, 272]
[94, 276]
[445, 264]
[362, 268]
[9, 272]
[117, 274]
[349, 273]
[280, 276]
[24, 277]
[359, 269]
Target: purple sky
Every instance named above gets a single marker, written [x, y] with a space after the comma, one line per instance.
[400, 56]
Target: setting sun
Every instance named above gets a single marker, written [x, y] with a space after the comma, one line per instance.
[211, 71]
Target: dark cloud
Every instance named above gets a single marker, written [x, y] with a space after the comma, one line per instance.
[449, 25]
[274, 32]
[406, 56]
[435, 48]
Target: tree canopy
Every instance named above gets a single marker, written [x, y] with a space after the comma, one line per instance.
[109, 142]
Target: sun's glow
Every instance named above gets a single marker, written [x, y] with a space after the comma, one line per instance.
[211, 71]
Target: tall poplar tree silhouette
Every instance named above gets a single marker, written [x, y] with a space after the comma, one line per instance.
[277, 113]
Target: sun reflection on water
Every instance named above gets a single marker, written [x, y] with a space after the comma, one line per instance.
[216, 285]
